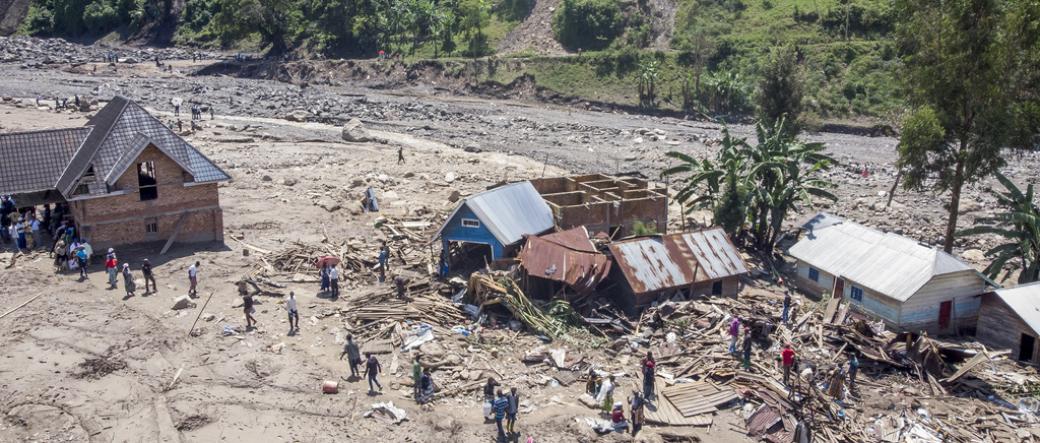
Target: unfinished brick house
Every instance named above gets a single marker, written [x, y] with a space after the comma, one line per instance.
[126, 177]
[604, 204]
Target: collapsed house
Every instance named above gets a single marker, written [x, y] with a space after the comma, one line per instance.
[911, 287]
[562, 260]
[1010, 319]
[605, 204]
[493, 223]
[126, 177]
[688, 264]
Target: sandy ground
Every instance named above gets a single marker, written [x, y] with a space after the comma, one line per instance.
[85, 363]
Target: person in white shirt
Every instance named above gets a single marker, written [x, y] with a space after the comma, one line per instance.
[193, 277]
[334, 281]
[290, 305]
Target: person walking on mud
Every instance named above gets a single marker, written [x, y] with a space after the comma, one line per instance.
[149, 278]
[128, 280]
[500, 406]
[372, 369]
[290, 306]
[193, 280]
[514, 407]
[400, 155]
[247, 307]
[111, 267]
[353, 356]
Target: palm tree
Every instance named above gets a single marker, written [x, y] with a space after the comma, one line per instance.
[1019, 227]
[703, 185]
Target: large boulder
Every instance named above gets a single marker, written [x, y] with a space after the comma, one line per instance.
[298, 116]
[183, 302]
[354, 132]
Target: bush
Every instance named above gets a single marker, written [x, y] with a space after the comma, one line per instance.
[587, 24]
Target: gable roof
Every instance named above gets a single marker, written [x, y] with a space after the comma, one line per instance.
[1025, 301]
[889, 264]
[663, 262]
[120, 131]
[509, 212]
[33, 161]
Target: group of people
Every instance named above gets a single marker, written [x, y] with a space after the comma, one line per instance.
[501, 406]
[372, 366]
[329, 276]
[113, 270]
[603, 391]
[28, 228]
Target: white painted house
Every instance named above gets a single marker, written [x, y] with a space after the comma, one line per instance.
[910, 286]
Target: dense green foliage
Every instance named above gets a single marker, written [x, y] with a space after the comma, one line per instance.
[970, 70]
[587, 24]
[78, 17]
[755, 186]
[780, 89]
[1019, 227]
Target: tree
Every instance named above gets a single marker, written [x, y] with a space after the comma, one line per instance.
[276, 21]
[648, 74]
[962, 61]
[474, 18]
[1019, 227]
[587, 24]
[780, 90]
[755, 186]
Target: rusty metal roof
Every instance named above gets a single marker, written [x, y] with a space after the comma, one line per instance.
[658, 263]
[568, 257]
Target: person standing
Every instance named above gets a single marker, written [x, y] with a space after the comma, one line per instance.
[19, 233]
[399, 283]
[37, 234]
[605, 397]
[128, 280]
[417, 376]
[500, 405]
[593, 383]
[787, 361]
[384, 261]
[248, 309]
[149, 278]
[400, 155]
[60, 255]
[425, 387]
[372, 369]
[324, 276]
[334, 281]
[787, 307]
[636, 405]
[734, 332]
[111, 266]
[353, 356]
[649, 366]
[514, 406]
[853, 369]
[193, 281]
[290, 306]
[747, 348]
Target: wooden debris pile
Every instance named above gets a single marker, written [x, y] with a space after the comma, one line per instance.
[555, 319]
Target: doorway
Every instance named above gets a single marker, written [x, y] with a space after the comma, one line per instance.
[945, 312]
[839, 287]
[1025, 347]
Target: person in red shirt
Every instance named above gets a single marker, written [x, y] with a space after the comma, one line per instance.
[649, 366]
[787, 360]
[111, 264]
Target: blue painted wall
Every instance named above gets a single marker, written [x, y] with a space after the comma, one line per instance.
[454, 231]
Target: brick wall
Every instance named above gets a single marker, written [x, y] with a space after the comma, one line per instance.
[122, 219]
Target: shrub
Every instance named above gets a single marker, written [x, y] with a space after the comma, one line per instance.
[100, 16]
[587, 24]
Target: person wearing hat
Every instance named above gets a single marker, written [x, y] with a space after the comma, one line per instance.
[128, 280]
[149, 277]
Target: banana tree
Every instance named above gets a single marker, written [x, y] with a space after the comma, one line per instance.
[1019, 227]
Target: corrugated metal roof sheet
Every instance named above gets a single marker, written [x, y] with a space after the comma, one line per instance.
[890, 264]
[33, 161]
[664, 262]
[510, 212]
[552, 257]
[1025, 301]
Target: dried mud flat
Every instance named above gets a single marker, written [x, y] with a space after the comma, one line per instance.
[80, 363]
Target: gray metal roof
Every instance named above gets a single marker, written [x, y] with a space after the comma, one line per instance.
[889, 264]
[1025, 301]
[33, 161]
[509, 212]
[128, 129]
[658, 263]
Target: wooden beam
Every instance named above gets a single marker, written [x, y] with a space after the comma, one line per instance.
[176, 230]
[21, 305]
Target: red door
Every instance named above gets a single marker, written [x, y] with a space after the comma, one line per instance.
[839, 287]
[945, 309]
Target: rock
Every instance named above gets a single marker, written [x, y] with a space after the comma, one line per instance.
[266, 178]
[455, 196]
[329, 205]
[974, 255]
[183, 302]
[277, 348]
[290, 182]
[298, 116]
[209, 317]
[354, 132]
[449, 177]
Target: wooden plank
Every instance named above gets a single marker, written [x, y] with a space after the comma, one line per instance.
[21, 305]
[832, 306]
[176, 230]
[967, 366]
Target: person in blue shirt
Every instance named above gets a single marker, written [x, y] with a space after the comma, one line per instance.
[500, 405]
[81, 260]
